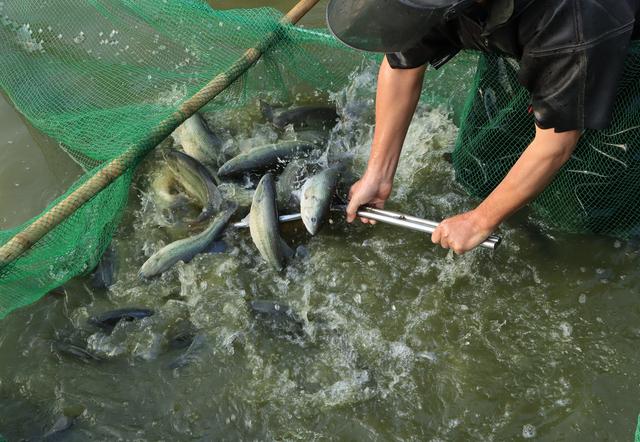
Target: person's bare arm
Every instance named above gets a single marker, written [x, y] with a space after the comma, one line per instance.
[531, 174]
[396, 100]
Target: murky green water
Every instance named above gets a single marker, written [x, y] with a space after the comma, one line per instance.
[401, 341]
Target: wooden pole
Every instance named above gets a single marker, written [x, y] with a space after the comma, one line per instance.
[24, 240]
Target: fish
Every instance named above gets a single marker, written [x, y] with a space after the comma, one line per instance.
[186, 249]
[324, 117]
[318, 137]
[104, 275]
[278, 314]
[197, 181]
[237, 194]
[265, 227]
[110, 319]
[181, 335]
[63, 423]
[190, 355]
[265, 158]
[490, 103]
[315, 198]
[289, 183]
[198, 141]
[166, 191]
[67, 349]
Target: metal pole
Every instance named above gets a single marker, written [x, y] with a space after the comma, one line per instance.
[387, 217]
[24, 240]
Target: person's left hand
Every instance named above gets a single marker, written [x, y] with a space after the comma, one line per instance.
[462, 233]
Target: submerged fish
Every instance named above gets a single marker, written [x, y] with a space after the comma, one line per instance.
[278, 314]
[104, 274]
[181, 335]
[63, 423]
[315, 199]
[190, 355]
[108, 320]
[186, 249]
[67, 349]
[264, 225]
[198, 141]
[265, 158]
[324, 117]
[197, 181]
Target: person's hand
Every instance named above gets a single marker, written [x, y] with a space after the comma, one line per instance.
[462, 233]
[371, 190]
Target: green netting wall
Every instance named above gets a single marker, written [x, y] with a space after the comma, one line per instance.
[597, 191]
[100, 75]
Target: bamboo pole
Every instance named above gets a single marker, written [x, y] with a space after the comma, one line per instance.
[24, 240]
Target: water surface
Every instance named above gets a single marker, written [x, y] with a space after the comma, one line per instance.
[400, 341]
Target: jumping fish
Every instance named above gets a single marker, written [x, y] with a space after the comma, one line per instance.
[166, 191]
[197, 181]
[289, 183]
[265, 158]
[264, 225]
[186, 249]
[237, 194]
[315, 198]
[198, 141]
[108, 320]
[324, 117]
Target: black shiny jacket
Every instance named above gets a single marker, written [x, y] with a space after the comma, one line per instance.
[571, 52]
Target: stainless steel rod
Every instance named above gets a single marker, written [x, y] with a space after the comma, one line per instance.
[369, 212]
[387, 217]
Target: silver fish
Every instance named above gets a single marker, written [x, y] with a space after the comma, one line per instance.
[197, 181]
[324, 117]
[186, 249]
[264, 225]
[266, 158]
[315, 198]
[289, 183]
[237, 194]
[198, 141]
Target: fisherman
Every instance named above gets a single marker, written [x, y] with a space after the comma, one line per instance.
[571, 55]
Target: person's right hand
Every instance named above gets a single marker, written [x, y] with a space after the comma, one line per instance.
[370, 190]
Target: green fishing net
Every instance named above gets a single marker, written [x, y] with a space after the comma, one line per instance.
[99, 76]
[597, 191]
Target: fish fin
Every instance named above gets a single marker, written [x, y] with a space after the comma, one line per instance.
[216, 247]
[286, 250]
[267, 110]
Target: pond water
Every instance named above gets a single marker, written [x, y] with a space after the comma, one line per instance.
[398, 340]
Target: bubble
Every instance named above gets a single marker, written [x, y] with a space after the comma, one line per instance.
[528, 431]
[582, 299]
[79, 38]
[566, 329]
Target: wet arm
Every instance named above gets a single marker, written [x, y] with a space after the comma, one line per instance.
[396, 100]
[531, 174]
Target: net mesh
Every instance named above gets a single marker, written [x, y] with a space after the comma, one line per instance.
[105, 79]
[597, 191]
[100, 76]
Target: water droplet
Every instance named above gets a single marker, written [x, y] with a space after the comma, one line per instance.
[79, 38]
[528, 431]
